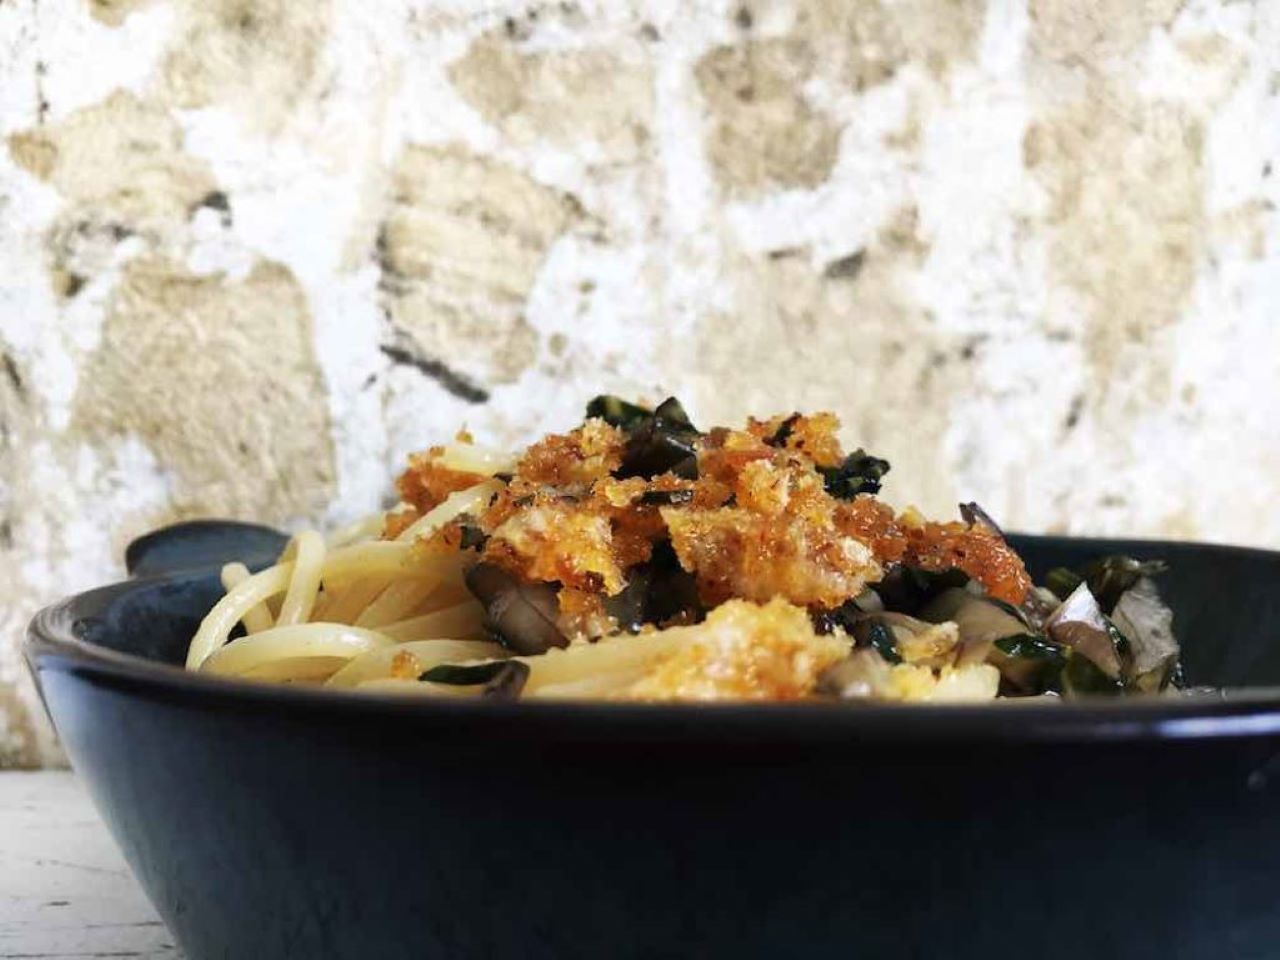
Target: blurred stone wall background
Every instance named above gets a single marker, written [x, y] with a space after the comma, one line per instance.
[251, 253]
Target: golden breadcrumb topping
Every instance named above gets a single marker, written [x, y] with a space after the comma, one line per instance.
[427, 482]
[753, 519]
[745, 651]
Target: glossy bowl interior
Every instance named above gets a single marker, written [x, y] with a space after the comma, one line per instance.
[276, 822]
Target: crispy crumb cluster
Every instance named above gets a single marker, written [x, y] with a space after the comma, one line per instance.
[756, 523]
[745, 651]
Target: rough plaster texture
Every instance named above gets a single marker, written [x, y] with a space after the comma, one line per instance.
[251, 253]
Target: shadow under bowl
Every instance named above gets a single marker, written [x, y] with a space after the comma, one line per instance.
[275, 822]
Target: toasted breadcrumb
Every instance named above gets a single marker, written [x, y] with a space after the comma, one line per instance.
[426, 484]
[757, 522]
[405, 666]
[745, 651]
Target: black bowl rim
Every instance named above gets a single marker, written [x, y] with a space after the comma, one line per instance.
[1249, 712]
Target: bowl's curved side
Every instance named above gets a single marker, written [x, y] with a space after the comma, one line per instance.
[261, 830]
[269, 822]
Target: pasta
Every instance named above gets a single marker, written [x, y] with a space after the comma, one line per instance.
[636, 557]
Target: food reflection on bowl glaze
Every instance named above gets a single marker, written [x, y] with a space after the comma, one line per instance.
[637, 557]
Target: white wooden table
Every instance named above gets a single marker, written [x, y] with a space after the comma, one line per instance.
[65, 891]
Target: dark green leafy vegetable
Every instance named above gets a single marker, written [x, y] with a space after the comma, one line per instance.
[664, 441]
[521, 616]
[877, 635]
[1062, 581]
[1082, 676]
[473, 538]
[858, 473]
[823, 621]
[672, 411]
[975, 516]
[908, 589]
[848, 613]
[1129, 636]
[617, 412]
[1108, 578]
[1030, 663]
[1031, 647]
[659, 592]
[467, 675]
[784, 431]
[502, 679]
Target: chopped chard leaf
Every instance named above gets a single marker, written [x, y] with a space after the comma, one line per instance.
[878, 635]
[468, 675]
[661, 442]
[1062, 582]
[859, 473]
[502, 679]
[658, 592]
[1029, 663]
[1031, 647]
[908, 589]
[1082, 676]
[1110, 577]
[975, 516]
[784, 431]
[672, 411]
[617, 412]
[473, 538]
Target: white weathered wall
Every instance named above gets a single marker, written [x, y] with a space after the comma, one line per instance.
[253, 252]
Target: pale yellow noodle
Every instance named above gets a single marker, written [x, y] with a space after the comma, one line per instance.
[256, 619]
[464, 620]
[366, 528]
[591, 687]
[297, 670]
[395, 602]
[471, 500]
[473, 458]
[377, 664]
[374, 559]
[416, 688]
[579, 671]
[450, 593]
[231, 609]
[304, 585]
[618, 656]
[323, 602]
[285, 643]
[351, 599]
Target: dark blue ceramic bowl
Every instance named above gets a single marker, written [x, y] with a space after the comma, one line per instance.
[271, 822]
